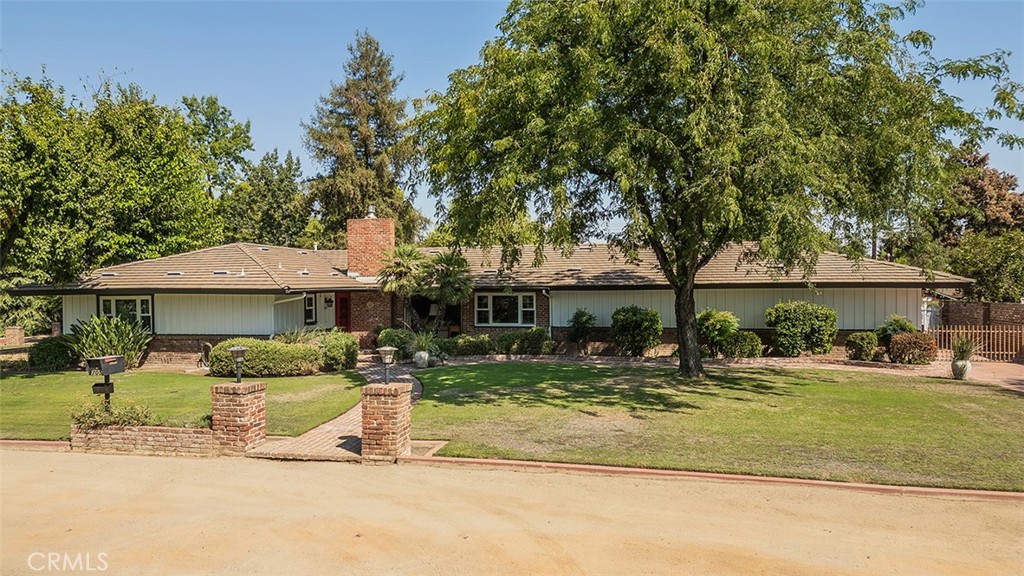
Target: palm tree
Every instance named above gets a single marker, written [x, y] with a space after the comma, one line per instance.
[447, 282]
[403, 277]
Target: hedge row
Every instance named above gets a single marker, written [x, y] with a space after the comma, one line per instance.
[337, 351]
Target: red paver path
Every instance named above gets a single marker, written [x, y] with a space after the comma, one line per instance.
[339, 439]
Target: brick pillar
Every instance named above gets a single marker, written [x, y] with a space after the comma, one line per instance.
[239, 416]
[386, 421]
[55, 329]
[14, 336]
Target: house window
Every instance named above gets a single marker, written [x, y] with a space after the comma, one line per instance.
[137, 309]
[506, 310]
[309, 304]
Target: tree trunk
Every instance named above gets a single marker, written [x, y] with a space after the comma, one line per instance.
[442, 308]
[686, 322]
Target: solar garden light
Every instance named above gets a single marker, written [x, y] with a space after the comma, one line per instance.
[238, 353]
[387, 356]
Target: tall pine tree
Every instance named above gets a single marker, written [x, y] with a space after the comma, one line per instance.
[356, 136]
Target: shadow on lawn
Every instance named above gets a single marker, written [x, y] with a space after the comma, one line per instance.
[637, 389]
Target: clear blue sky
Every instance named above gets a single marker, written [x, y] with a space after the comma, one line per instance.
[270, 61]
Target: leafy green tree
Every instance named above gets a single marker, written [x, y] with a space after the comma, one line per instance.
[699, 124]
[358, 139]
[220, 139]
[268, 207]
[996, 262]
[86, 188]
[446, 280]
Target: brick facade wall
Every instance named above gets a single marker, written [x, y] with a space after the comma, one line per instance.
[982, 314]
[152, 440]
[387, 422]
[368, 240]
[543, 315]
[239, 424]
[370, 309]
[181, 348]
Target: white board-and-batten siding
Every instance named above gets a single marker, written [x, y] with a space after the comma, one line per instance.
[243, 314]
[858, 308]
[76, 308]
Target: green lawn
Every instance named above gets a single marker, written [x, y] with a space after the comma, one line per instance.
[824, 424]
[35, 405]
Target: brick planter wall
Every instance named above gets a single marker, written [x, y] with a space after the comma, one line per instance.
[239, 424]
[239, 416]
[152, 440]
[14, 336]
[386, 422]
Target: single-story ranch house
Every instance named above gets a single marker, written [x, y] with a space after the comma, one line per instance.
[248, 289]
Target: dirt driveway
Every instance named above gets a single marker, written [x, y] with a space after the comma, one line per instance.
[242, 516]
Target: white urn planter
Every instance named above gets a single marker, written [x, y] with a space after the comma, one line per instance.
[422, 358]
[961, 368]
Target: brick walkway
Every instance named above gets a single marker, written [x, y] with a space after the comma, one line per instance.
[337, 440]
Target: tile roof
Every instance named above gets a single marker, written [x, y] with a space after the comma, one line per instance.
[231, 268]
[600, 265]
[254, 268]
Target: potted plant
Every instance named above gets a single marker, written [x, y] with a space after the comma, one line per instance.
[422, 344]
[963, 351]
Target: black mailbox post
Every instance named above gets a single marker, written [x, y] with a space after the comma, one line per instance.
[105, 365]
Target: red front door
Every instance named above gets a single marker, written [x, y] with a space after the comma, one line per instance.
[343, 311]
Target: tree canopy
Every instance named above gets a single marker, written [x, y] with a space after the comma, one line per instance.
[357, 136]
[795, 125]
[268, 206]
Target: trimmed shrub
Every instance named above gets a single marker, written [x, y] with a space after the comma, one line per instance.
[95, 415]
[892, 326]
[715, 328]
[50, 354]
[861, 346]
[534, 341]
[340, 349]
[399, 338]
[581, 326]
[266, 358]
[103, 336]
[466, 345]
[913, 348]
[446, 346]
[635, 330]
[742, 344]
[801, 326]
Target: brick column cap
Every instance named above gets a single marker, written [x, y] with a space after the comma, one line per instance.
[396, 389]
[238, 389]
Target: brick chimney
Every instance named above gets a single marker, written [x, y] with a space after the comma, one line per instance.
[369, 239]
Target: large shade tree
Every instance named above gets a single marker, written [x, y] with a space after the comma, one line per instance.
[357, 138]
[698, 124]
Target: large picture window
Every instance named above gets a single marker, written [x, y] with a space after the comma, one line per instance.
[132, 308]
[506, 310]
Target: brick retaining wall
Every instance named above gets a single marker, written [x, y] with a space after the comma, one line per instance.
[152, 440]
[239, 424]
